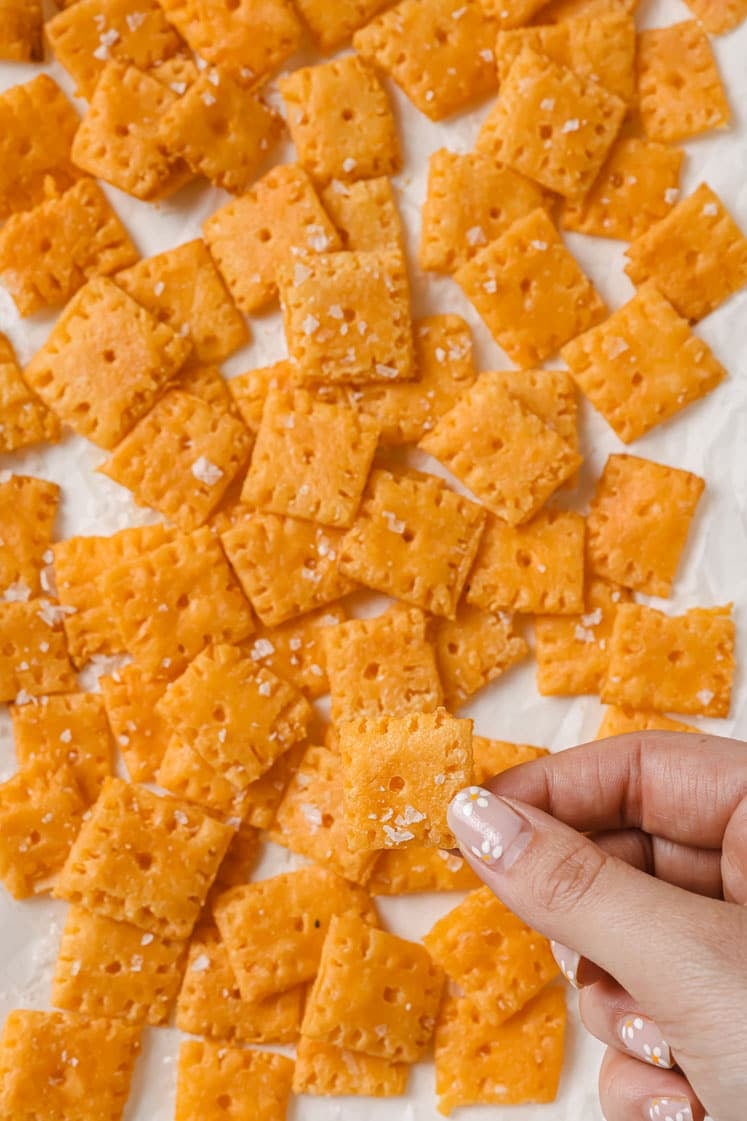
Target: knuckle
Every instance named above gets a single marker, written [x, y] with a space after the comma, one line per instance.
[570, 879]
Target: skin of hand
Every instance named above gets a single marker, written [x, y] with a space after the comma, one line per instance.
[631, 855]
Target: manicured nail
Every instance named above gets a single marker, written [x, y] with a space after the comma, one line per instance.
[642, 1037]
[568, 960]
[669, 1109]
[487, 828]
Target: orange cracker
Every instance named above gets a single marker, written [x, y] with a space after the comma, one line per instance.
[493, 756]
[537, 568]
[28, 508]
[515, 1064]
[60, 1064]
[311, 459]
[185, 774]
[131, 697]
[259, 1083]
[552, 396]
[180, 458]
[309, 576]
[638, 522]
[173, 601]
[40, 814]
[642, 365]
[249, 391]
[37, 126]
[473, 649]
[210, 1003]
[250, 237]
[551, 125]
[241, 858]
[530, 291]
[637, 186]
[573, 653]
[513, 467]
[262, 797]
[558, 11]
[178, 72]
[21, 23]
[719, 16]
[669, 108]
[669, 663]
[374, 993]
[696, 255]
[471, 201]
[412, 870]
[414, 539]
[239, 716]
[48, 253]
[274, 929]
[183, 289]
[25, 419]
[104, 362]
[33, 652]
[619, 721]
[382, 666]
[144, 860]
[66, 731]
[333, 25]
[310, 818]
[365, 214]
[500, 970]
[400, 773]
[208, 383]
[323, 1069]
[440, 53]
[115, 970]
[514, 13]
[347, 317]
[340, 121]
[296, 651]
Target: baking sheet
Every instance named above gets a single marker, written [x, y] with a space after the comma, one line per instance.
[710, 438]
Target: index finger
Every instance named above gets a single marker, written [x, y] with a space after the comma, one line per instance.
[682, 786]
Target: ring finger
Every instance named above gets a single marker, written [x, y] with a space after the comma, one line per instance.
[609, 1013]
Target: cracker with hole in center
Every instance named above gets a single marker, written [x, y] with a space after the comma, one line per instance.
[219, 1083]
[473, 649]
[672, 107]
[365, 214]
[70, 730]
[296, 650]
[573, 652]
[184, 773]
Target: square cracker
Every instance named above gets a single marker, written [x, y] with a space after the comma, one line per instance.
[48, 253]
[311, 459]
[440, 53]
[249, 390]
[382, 666]
[274, 929]
[636, 187]
[618, 721]
[473, 649]
[104, 362]
[347, 317]
[719, 16]
[669, 108]
[414, 539]
[37, 126]
[21, 24]
[536, 568]
[374, 993]
[552, 396]
[642, 365]
[210, 1003]
[61, 1065]
[296, 650]
[183, 288]
[66, 731]
[250, 237]
[41, 810]
[114, 970]
[310, 819]
[530, 290]
[26, 420]
[184, 773]
[28, 508]
[332, 25]
[33, 652]
[219, 1083]
[516, 1064]
[667, 663]
[145, 860]
[413, 870]
[493, 756]
[471, 200]
[638, 522]
[323, 1069]
[130, 697]
[173, 601]
[400, 773]
[495, 958]
[573, 653]
[513, 468]
[340, 120]
[696, 255]
[551, 124]
[180, 458]
[309, 576]
[365, 214]
[239, 716]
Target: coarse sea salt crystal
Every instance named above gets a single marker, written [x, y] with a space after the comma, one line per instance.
[409, 816]
[206, 472]
[710, 209]
[395, 524]
[548, 104]
[312, 814]
[398, 836]
[310, 325]
[705, 696]
[671, 195]
[17, 592]
[571, 125]
[476, 235]
[261, 648]
[200, 964]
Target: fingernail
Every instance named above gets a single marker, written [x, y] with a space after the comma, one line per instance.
[669, 1109]
[642, 1037]
[488, 828]
[568, 960]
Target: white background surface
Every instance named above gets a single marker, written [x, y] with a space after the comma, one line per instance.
[709, 438]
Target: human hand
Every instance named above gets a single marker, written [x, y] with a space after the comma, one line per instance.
[651, 900]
